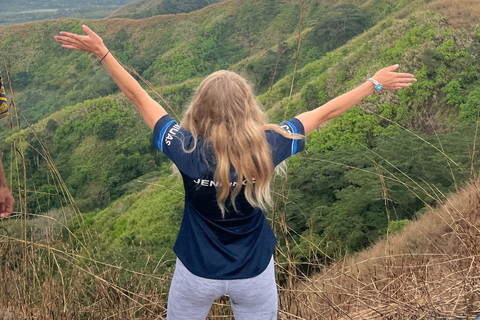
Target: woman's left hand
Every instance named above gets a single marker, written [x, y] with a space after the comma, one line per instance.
[392, 80]
[91, 43]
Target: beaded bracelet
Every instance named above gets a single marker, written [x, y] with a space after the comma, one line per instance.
[377, 85]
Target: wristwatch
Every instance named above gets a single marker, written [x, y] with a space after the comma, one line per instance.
[377, 85]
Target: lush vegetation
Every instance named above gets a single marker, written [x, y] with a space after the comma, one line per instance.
[364, 173]
[145, 9]
[363, 176]
[349, 197]
[47, 78]
[97, 147]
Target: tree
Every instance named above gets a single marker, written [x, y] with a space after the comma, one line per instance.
[106, 130]
[469, 110]
[21, 80]
[51, 125]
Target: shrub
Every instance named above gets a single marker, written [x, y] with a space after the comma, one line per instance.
[51, 125]
[397, 226]
[454, 93]
[106, 130]
[469, 110]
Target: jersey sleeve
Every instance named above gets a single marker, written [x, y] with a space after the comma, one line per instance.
[173, 140]
[283, 147]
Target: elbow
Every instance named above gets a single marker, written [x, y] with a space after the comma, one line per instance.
[325, 118]
[140, 99]
[330, 116]
[134, 99]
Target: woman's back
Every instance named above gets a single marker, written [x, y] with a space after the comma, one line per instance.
[237, 243]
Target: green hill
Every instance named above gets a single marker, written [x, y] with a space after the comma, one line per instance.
[369, 171]
[172, 49]
[101, 145]
[149, 8]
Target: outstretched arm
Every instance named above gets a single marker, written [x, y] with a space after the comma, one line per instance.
[389, 79]
[92, 43]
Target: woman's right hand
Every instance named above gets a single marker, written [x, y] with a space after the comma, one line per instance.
[391, 80]
[91, 43]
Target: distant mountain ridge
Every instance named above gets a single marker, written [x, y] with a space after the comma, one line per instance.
[23, 11]
[149, 8]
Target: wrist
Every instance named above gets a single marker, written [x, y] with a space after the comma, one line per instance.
[370, 87]
[101, 52]
[378, 86]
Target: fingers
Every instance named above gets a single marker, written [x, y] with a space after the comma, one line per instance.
[70, 39]
[7, 209]
[404, 75]
[403, 85]
[392, 68]
[394, 81]
[4, 215]
[70, 43]
[398, 86]
[70, 47]
[88, 31]
[91, 43]
[70, 35]
[61, 39]
[66, 40]
[407, 80]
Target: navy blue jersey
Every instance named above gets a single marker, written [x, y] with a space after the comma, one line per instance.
[238, 245]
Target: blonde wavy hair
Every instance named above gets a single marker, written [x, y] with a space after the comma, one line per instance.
[225, 112]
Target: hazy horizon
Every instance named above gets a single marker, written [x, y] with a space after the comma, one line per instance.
[22, 11]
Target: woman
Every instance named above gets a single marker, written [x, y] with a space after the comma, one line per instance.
[226, 153]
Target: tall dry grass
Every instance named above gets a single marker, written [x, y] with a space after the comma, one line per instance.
[49, 272]
[429, 271]
[57, 284]
[460, 13]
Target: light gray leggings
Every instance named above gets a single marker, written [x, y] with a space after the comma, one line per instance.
[191, 297]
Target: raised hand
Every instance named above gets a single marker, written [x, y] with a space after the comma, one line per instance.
[91, 43]
[393, 80]
[389, 79]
